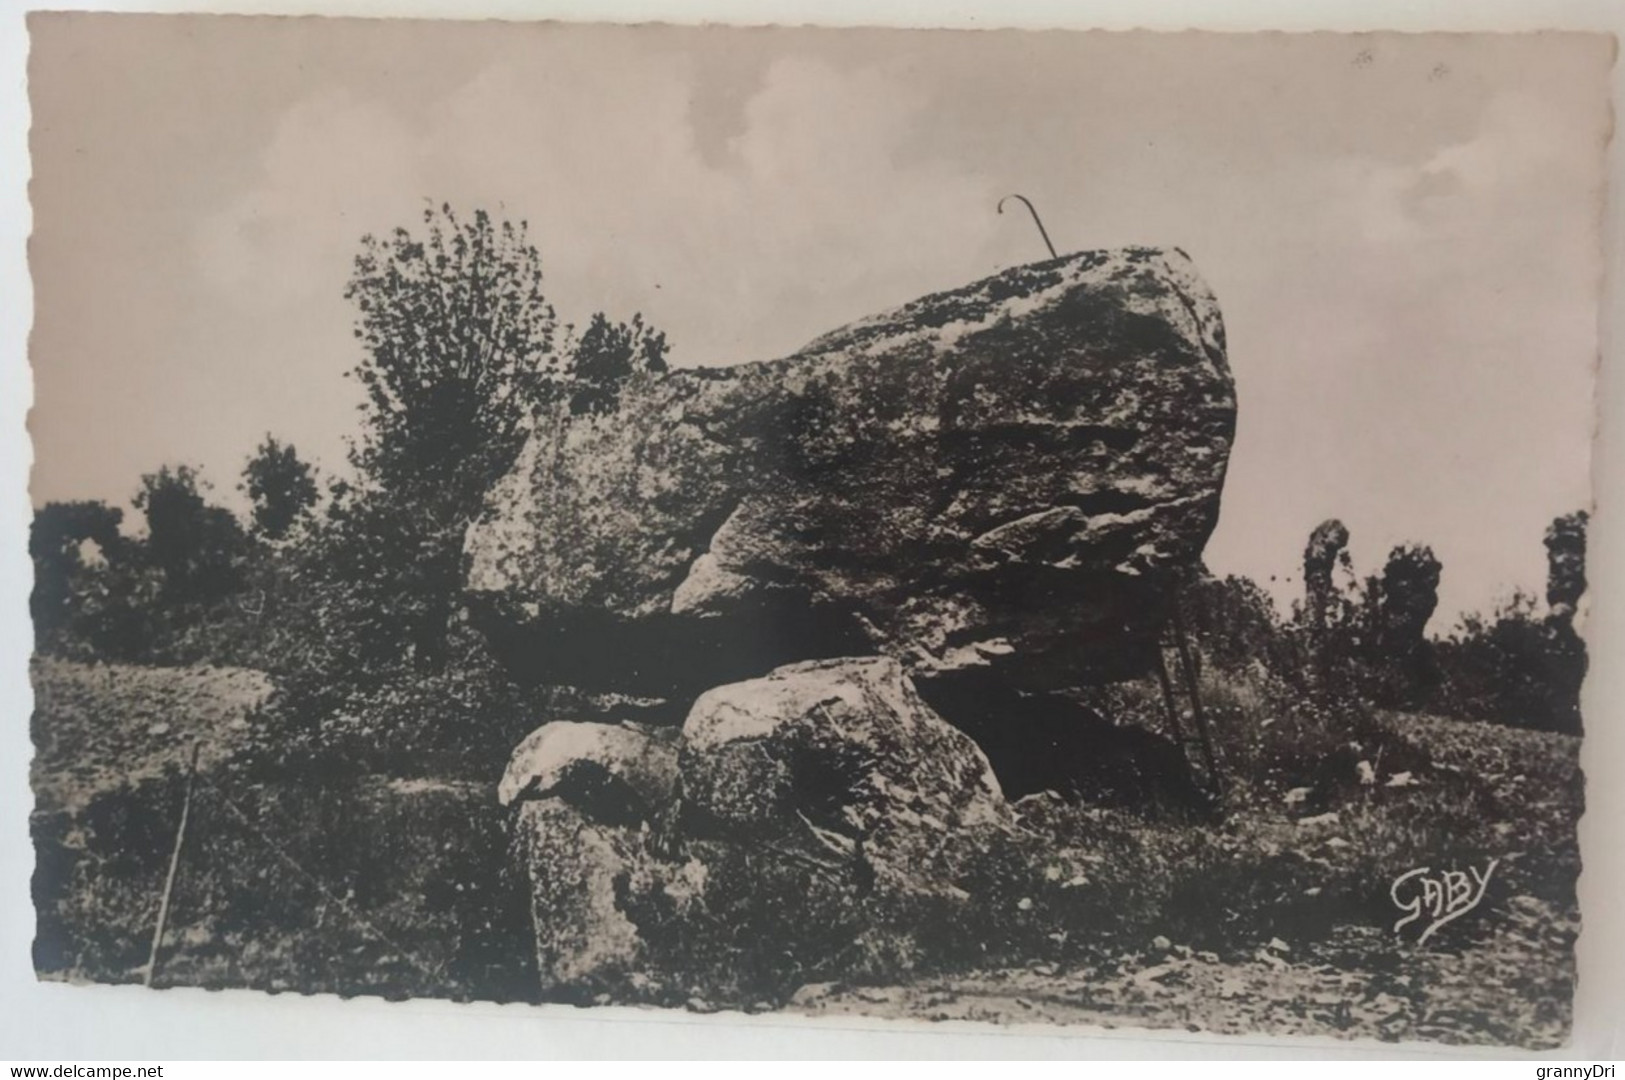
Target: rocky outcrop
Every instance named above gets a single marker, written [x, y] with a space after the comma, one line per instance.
[822, 818]
[1001, 480]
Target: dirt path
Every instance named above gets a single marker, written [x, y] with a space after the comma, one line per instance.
[1502, 990]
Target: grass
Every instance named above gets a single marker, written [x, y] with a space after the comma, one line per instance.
[102, 727]
[293, 876]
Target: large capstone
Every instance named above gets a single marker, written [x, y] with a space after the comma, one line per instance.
[1003, 481]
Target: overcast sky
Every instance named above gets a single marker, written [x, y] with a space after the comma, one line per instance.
[1402, 231]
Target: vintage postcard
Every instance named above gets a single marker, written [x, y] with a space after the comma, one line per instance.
[1045, 528]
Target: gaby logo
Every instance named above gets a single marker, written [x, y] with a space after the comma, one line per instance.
[1443, 897]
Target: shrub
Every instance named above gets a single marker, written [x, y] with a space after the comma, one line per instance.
[1516, 667]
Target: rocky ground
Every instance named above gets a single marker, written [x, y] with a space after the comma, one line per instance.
[1480, 996]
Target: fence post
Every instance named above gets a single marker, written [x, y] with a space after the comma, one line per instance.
[174, 868]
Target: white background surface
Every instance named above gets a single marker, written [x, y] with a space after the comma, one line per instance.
[59, 1023]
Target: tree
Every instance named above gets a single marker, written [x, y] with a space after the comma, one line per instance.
[61, 531]
[1566, 658]
[1403, 599]
[1566, 563]
[459, 348]
[69, 541]
[1237, 625]
[1521, 666]
[1515, 667]
[609, 354]
[459, 353]
[1400, 669]
[194, 546]
[1324, 605]
[282, 488]
[1335, 620]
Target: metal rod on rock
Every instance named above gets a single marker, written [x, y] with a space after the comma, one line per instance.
[1041, 230]
[174, 868]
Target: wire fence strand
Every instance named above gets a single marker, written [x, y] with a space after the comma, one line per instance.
[433, 972]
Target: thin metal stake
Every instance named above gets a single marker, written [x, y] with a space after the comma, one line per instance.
[174, 868]
[1168, 698]
[1041, 230]
[1187, 666]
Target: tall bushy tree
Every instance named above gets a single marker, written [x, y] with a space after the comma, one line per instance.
[458, 351]
[1403, 599]
[281, 487]
[1566, 657]
[1399, 663]
[1325, 618]
[459, 347]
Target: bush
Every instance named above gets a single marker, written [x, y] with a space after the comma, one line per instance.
[1516, 667]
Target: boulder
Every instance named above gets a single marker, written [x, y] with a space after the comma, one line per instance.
[617, 772]
[577, 869]
[841, 760]
[584, 795]
[1004, 479]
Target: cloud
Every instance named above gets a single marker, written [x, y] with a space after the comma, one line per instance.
[1424, 345]
[334, 163]
[1523, 152]
[811, 218]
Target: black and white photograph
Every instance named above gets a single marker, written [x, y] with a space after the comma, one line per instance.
[1059, 530]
